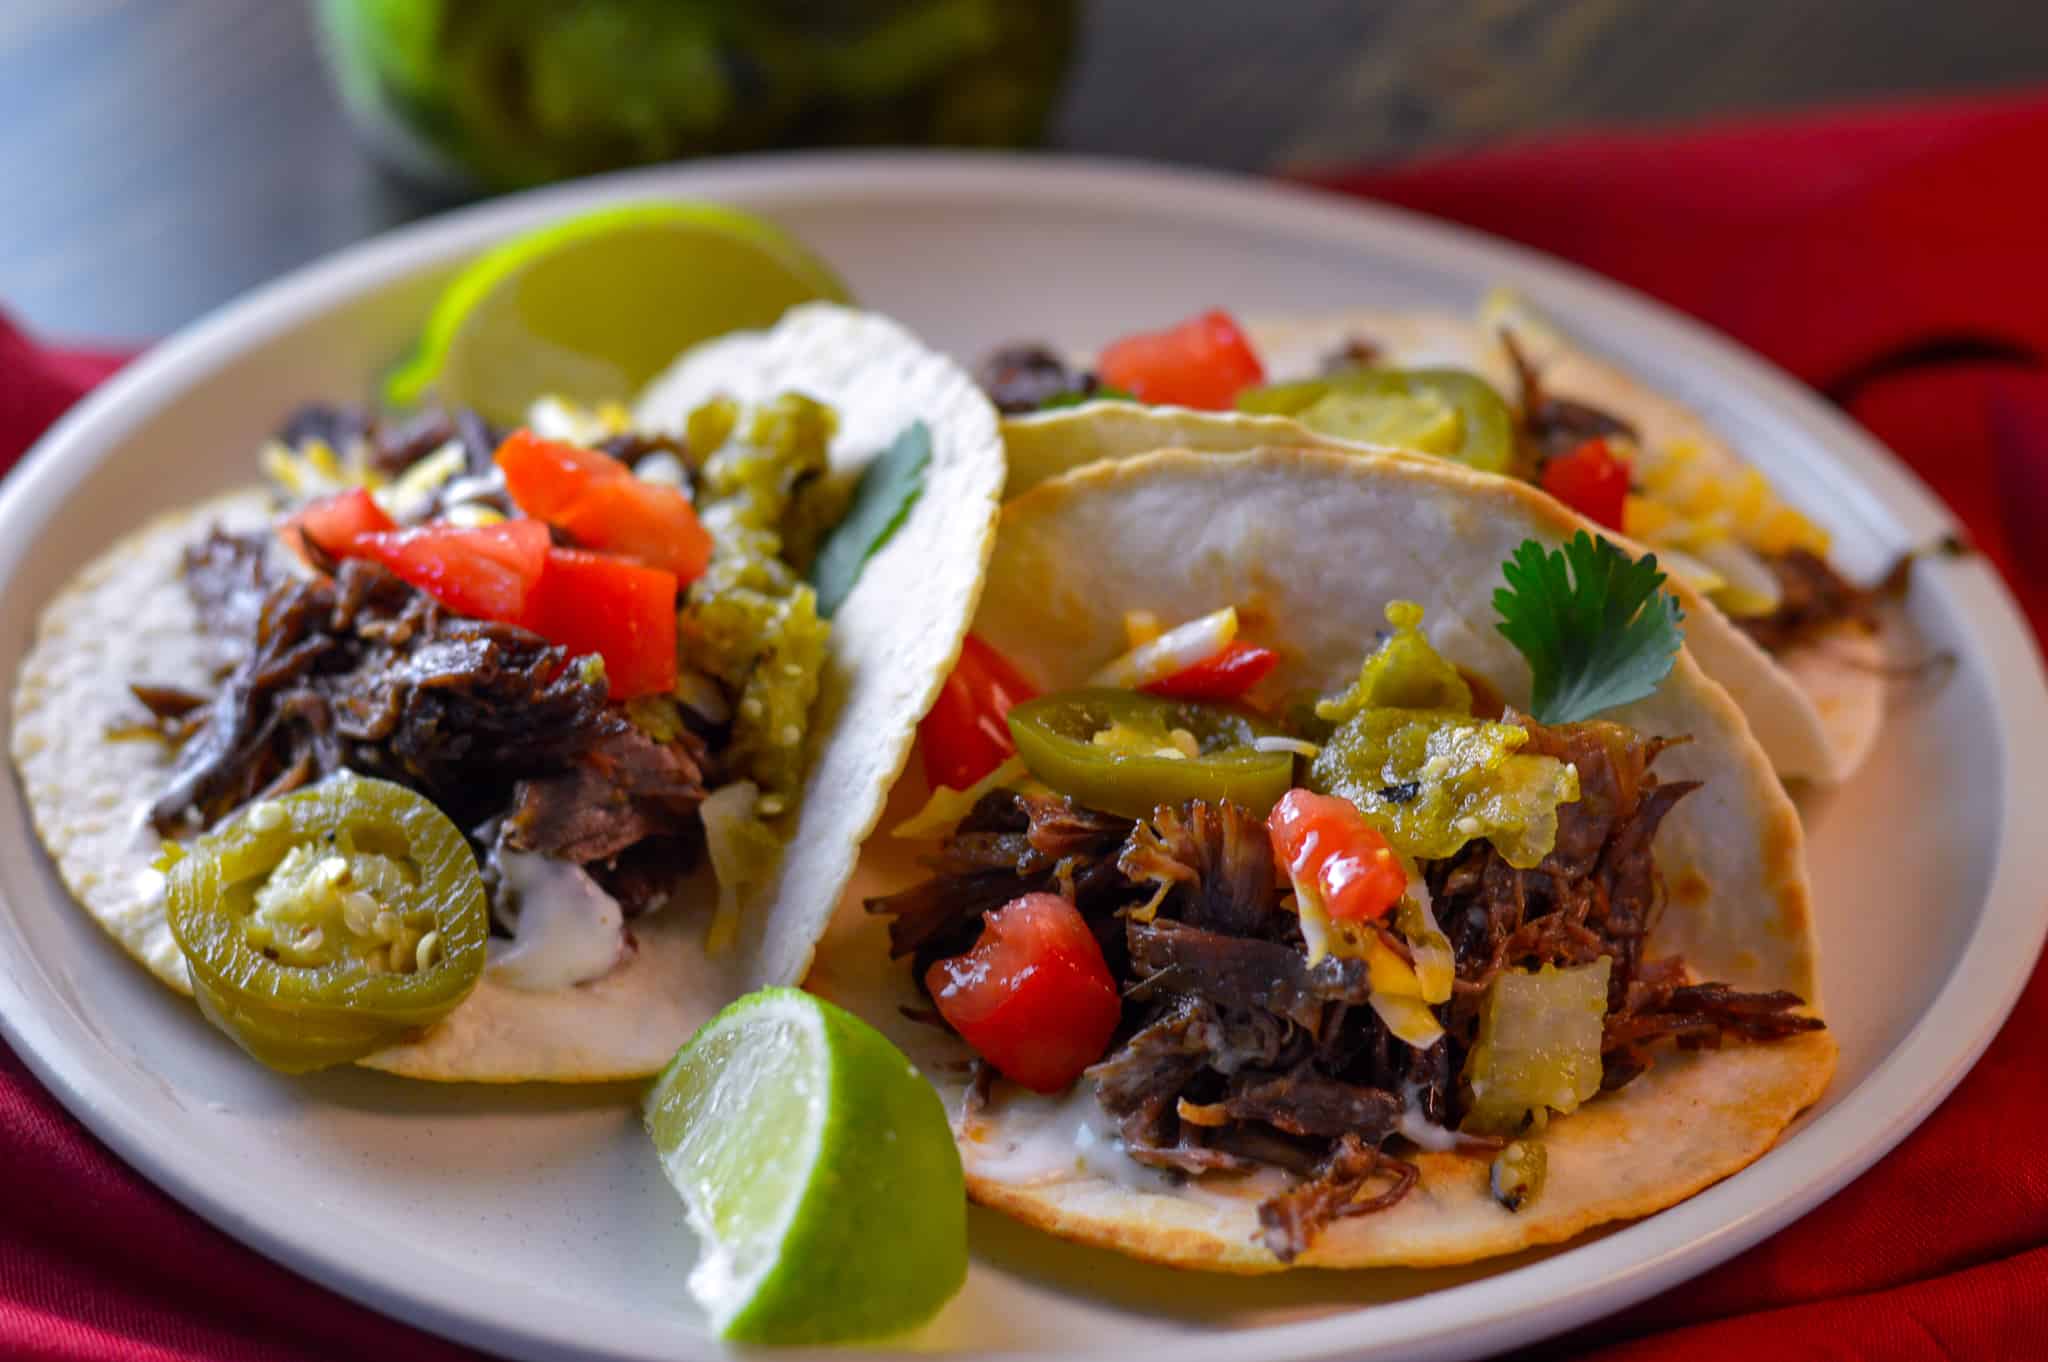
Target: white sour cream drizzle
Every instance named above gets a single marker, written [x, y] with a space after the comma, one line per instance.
[1024, 1137]
[1423, 1132]
[568, 930]
[150, 883]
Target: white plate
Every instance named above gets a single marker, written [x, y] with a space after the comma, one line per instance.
[536, 1223]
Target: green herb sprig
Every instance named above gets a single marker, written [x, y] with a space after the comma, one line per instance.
[888, 488]
[1591, 621]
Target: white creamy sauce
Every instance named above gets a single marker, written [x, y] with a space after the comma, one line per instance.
[662, 467]
[567, 930]
[1024, 1137]
[143, 840]
[150, 886]
[1423, 1132]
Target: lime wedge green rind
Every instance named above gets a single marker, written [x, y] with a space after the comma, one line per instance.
[592, 307]
[817, 1168]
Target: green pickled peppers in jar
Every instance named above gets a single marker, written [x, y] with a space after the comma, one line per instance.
[518, 92]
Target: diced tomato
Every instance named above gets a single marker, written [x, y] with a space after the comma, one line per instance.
[1203, 362]
[598, 501]
[546, 477]
[1329, 849]
[486, 572]
[1591, 480]
[1034, 997]
[645, 520]
[1226, 676]
[622, 611]
[964, 737]
[332, 523]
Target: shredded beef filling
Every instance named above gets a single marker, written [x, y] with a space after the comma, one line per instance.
[1355, 1178]
[394, 445]
[1236, 1054]
[360, 671]
[1554, 426]
[1023, 378]
[1814, 600]
[1356, 352]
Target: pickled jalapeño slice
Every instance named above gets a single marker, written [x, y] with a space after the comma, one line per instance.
[328, 923]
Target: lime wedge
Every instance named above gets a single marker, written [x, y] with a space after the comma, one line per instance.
[592, 307]
[818, 1171]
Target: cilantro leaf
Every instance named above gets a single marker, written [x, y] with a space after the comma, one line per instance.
[888, 488]
[1595, 628]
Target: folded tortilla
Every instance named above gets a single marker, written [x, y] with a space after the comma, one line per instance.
[127, 618]
[1310, 545]
[1817, 708]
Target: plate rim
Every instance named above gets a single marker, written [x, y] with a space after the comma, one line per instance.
[1524, 1303]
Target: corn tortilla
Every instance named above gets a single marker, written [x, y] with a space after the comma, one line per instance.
[1817, 709]
[126, 617]
[1835, 683]
[1310, 545]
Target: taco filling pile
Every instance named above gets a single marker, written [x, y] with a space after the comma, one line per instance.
[1291, 988]
[568, 685]
[486, 754]
[1504, 393]
[1262, 954]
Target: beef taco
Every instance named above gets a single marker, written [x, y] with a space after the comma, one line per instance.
[503, 756]
[1508, 393]
[1377, 880]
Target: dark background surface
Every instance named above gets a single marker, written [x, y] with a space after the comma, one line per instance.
[161, 156]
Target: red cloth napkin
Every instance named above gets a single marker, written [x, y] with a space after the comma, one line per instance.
[1893, 257]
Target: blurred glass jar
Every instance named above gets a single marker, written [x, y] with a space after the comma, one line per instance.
[496, 94]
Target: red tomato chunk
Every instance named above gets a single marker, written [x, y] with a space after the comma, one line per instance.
[333, 524]
[598, 502]
[1204, 362]
[1326, 844]
[1226, 676]
[1034, 997]
[964, 737]
[486, 572]
[1592, 481]
[620, 610]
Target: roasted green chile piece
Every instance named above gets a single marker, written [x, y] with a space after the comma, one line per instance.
[1447, 412]
[1404, 672]
[329, 923]
[1406, 750]
[1538, 1049]
[751, 621]
[1432, 780]
[1127, 753]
